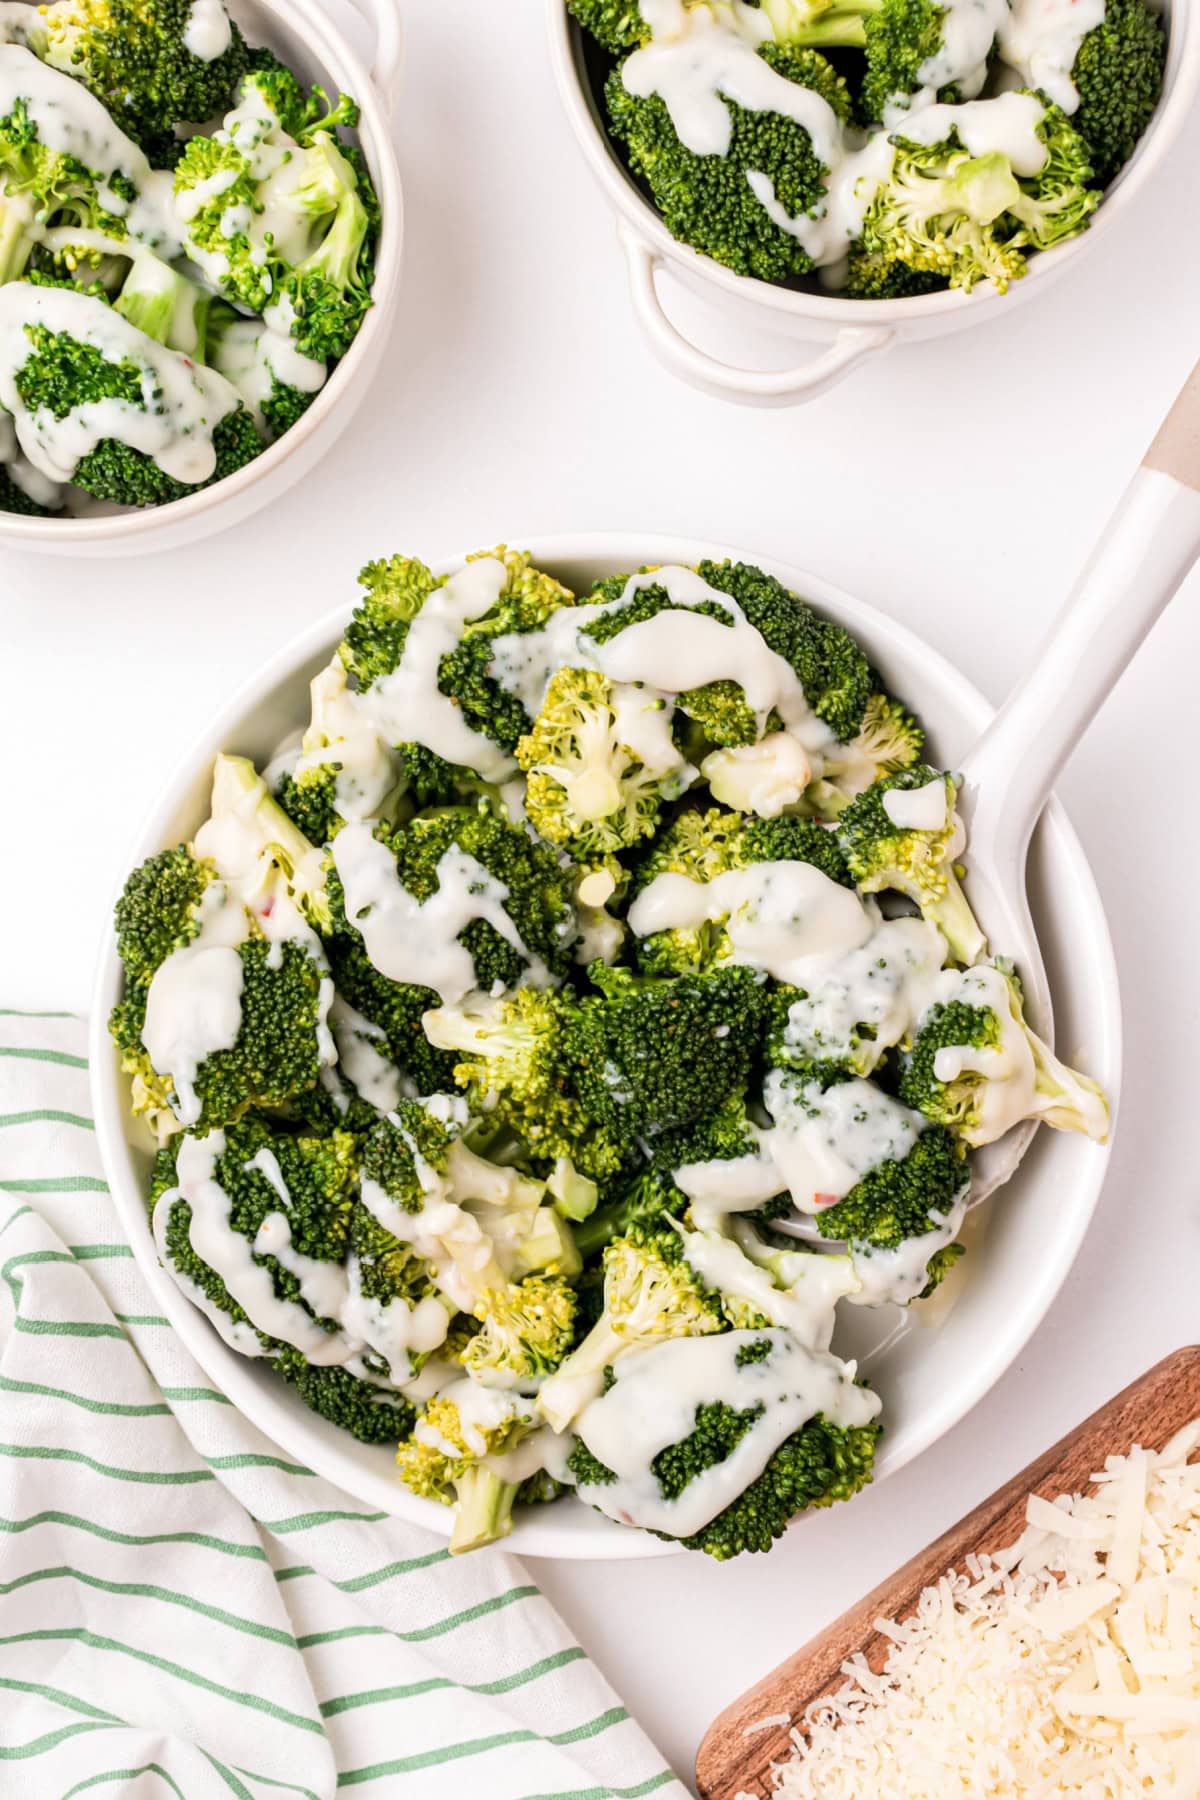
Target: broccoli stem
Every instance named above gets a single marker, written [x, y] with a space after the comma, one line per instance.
[484, 1511]
[165, 305]
[16, 244]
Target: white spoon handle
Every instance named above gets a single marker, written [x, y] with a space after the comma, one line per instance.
[1146, 551]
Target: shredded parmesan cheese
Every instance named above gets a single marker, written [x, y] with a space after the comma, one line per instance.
[1067, 1664]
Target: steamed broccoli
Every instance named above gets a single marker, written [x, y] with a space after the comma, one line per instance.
[617, 24]
[513, 1067]
[166, 305]
[916, 861]
[395, 591]
[368, 1411]
[45, 186]
[900, 38]
[279, 222]
[396, 1007]
[343, 768]
[714, 202]
[650, 1292]
[444, 1459]
[67, 372]
[977, 1067]
[141, 59]
[589, 788]
[248, 355]
[1117, 74]
[15, 499]
[704, 846]
[646, 1054]
[817, 1464]
[528, 1329]
[467, 673]
[970, 218]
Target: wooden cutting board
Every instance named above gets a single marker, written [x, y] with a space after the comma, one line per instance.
[735, 1758]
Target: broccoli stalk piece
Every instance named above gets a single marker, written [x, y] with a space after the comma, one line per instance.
[888, 740]
[650, 1292]
[443, 1460]
[977, 1068]
[144, 60]
[165, 305]
[709, 200]
[649, 1199]
[912, 860]
[588, 788]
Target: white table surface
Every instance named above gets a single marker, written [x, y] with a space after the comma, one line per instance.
[958, 485]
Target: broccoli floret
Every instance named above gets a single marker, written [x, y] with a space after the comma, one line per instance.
[650, 1292]
[396, 590]
[14, 499]
[303, 246]
[889, 739]
[970, 218]
[587, 787]
[442, 1460]
[368, 1411]
[1000, 1071]
[898, 37]
[527, 1331]
[853, 1013]
[814, 1466]
[646, 1054]
[397, 1007]
[408, 1153]
[874, 276]
[466, 674]
[136, 58]
[704, 846]
[1118, 76]
[514, 1071]
[45, 186]
[647, 1200]
[708, 201]
[896, 1201]
[263, 1172]
[882, 855]
[720, 1136]
[616, 24]
[537, 896]
[342, 763]
[244, 351]
[65, 373]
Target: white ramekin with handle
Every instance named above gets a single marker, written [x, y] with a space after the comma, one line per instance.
[301, 33]
[851, 331]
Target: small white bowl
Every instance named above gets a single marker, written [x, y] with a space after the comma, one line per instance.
[929, 1378]
[854, 330]
[300, 33]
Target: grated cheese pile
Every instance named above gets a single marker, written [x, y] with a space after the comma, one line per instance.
[1067, 1664]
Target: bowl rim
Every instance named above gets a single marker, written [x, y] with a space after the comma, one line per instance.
[1180, 89]
[541, 1535]
[333, 51]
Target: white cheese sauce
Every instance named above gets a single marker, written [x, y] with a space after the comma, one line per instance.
[374, 1076]
[874, 994]
[897, 1276]
[406, 707]
[252, 358]
[1041, 39]
[194, 1003]
[806, 1308]
[207, 33]
[824, 1142]
[918, 809]
[340, 732]
[787, 918]
[763, 778]
[652, 1405]
[417, 940]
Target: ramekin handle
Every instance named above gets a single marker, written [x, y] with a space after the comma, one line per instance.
[388, 60]
[753, 387]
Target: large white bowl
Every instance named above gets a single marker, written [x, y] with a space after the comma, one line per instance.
[300, 32]
[928, 1378]
[853, 330]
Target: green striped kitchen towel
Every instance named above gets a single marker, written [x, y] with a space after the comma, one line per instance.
[184, 1611]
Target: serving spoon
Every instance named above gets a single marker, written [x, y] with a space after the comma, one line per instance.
[1142, 557]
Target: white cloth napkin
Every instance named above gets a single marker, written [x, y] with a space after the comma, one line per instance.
[183, 1610]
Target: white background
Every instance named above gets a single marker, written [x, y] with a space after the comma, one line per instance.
[958, 485]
